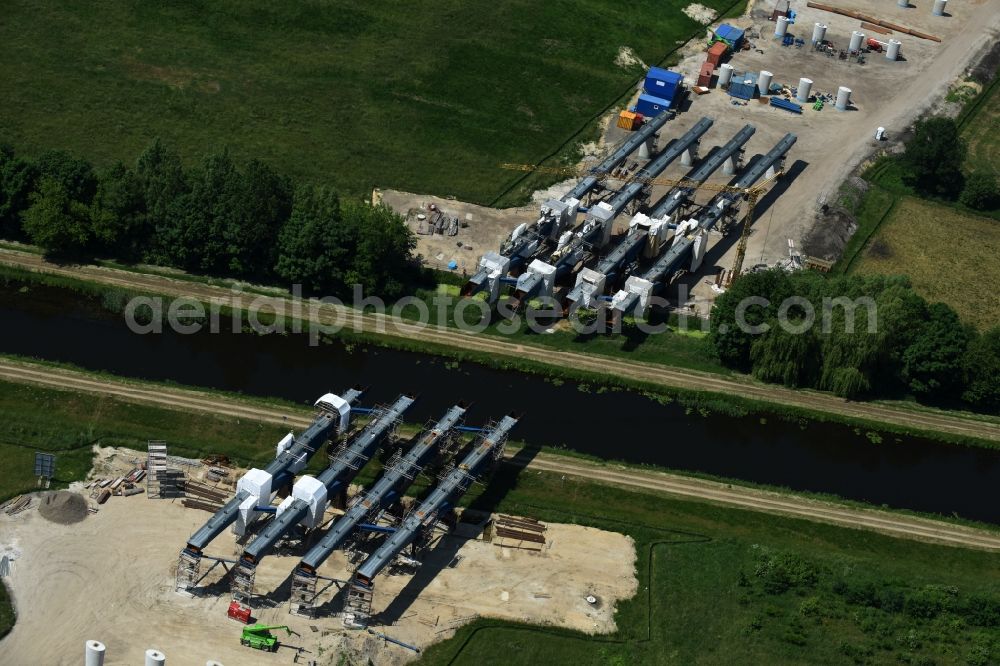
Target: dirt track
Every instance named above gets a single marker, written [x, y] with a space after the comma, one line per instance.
[330, 315]
[757, 500]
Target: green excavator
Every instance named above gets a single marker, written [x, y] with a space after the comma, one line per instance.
[259, 636]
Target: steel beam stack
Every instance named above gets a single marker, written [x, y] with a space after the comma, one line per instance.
[526, 240]
[333, 479]
[487, 447]
[328, 422]
[636, 294]
[393, 483]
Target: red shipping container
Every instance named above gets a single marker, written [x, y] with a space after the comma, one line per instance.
[716, 53]
[705, 77]
[239, 612]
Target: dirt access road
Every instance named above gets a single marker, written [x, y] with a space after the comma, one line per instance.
[629, 478]
[330, 316]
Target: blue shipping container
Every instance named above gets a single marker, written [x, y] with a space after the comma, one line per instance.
[662, 83]
[730, 34]
[651, 106]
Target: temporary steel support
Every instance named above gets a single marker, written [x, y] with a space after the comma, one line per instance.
[676, 197]
[394, 481]
[334, 478]
[659, 273]
[323, 427]
[488, 446]
[517, 251]
[657, 165]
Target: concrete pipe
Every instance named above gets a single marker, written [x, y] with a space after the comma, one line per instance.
[155, 658]
[819, 33]
[939, 6]
[892, 51]
[843, 98]
[804, 90]
[781, 27]
[725, 75]
[857, 40]
[212, 662]
[764, 82]
[94, 653]
[903, 3]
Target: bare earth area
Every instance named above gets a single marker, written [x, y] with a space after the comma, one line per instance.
[111, 578]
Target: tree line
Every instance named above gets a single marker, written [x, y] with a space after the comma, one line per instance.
[219, 217]
[915, 347]
[933, 166]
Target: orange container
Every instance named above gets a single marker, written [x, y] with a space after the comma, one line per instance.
[716, 52]
[705, 76]
[627, 120]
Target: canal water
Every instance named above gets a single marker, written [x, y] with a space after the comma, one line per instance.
[903, 472]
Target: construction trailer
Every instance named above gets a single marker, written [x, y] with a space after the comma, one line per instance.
[663, 84]
[416, 526]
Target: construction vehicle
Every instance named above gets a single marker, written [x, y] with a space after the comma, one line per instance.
[259, 636]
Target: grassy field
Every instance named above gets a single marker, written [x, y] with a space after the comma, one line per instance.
[716, 583]
[69, 424]
[426, 96]
[982, 131]
[962, 271]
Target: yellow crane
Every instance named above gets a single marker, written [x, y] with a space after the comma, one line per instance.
[749, 194]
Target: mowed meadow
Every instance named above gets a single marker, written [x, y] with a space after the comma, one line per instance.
[427, 96]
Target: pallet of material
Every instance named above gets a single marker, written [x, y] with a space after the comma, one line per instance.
[198, 504]
[507, 542]
[103, 496]
[519, 523]
[18, 504]
[519, 535]
[875, 28]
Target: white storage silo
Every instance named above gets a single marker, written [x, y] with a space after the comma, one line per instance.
[819, 33]
[155, 658]
[781, 26]
[892, 51]
[939, 6]
[764, 82]
[805, 88]
[94, 653]
[843, 98]
[857, 39]
[725, 74]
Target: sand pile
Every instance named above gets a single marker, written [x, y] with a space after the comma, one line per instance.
[63, 507]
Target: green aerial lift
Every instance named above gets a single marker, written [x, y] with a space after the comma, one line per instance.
[260, 637]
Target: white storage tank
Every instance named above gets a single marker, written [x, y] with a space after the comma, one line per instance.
[94, 653]
[781, 27]
[843, 98]
[819, 33]
[155, 658]
[939, 7]
[764, 82]
[804, 90]
[725, 74]
[857, 39]
[892, 51]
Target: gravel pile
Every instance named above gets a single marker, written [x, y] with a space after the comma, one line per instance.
[63, 507]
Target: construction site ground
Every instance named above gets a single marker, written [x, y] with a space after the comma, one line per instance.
[111, 577]
[830, 143]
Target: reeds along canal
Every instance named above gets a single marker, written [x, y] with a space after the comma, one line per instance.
[904, 472]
